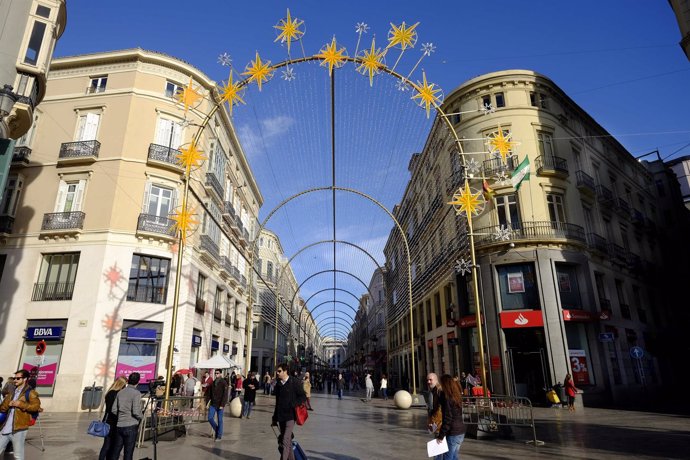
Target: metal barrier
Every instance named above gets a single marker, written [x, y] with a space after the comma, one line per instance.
[492, 413]
[171, 414]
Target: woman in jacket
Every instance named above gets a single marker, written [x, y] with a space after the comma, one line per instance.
[452, 427]
[306, 385]
[384, 387]
[110, 418]
[571, 391]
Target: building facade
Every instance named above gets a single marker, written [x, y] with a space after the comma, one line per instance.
[568, 263]
[88, 244]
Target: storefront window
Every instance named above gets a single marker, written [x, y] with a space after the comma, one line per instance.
[568, 287]
[43, 367]
[138, 351]
[518, 285]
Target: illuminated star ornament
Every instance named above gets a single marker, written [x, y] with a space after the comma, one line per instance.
[288, 74]
[225, 60]
[463, 267]
[371, 61]
[331, 56]
[401, 85]
[402, 36]
[467, 202]
[503, 233]
[258, 71]
[184, 222]
[361, 28]
[428, 94]
[428, 48]
[488, 109]
[472, 167]
[289, 30]
[232, 93]
[190, 157]
[501, 143]
[188, 96]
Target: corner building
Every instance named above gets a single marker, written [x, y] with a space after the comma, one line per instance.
[569, 265]
[89, 247]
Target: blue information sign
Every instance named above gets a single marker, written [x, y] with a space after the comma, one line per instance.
[196, 340]
[141, 335]
[637, 352]
[606, 337]
[214, 344]
[226, 348]
[44, 333]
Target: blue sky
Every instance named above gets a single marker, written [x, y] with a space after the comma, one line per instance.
[619, 60]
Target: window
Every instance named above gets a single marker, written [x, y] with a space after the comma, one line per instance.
[168, 133]
[43, 11]
[568, 287]
[10, 198]
[500, 100]
[35, 42]
[589, 219]
[158, 200]
[604, 303]
[171, 89]
[538, 99]
[624, 236]
[660, 188]
[518, 285]
[620, 291]
[507, 210]
[545, 143]
[269, 269]
[70, 196]
[217, 302]
[148, 279]
[97, 85]
[486, 101]
[200, 287]
[56, 276]
[87, 126]
[554, 202]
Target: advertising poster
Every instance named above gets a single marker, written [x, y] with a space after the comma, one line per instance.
[564, 282]
[144, 365]
[44, 367]
[516, 283]
[579, 367]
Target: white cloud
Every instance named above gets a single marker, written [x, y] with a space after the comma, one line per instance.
[254, 140]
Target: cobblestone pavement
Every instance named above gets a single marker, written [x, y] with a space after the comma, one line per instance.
[351, 429]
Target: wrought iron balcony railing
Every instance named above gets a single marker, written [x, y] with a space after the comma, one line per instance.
[243, 281]
[623, 206]
[228, 213]
[200, 305]
[6, 224]
[163, 154]
[217, 314]
[637, 218]
[215, 185]
[605, 196]
[226, 265]
[585, 182]
[496, 166]
[549, 164]
[52, 291]
[156, 224]
[79, 149]
[63, 221]
[228, 318]
[598, 243]
[236, 273]
[543, 230]
[21, 155]
[208, 245]
[619, 253]
[150, 294]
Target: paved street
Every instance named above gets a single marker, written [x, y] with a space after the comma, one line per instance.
[353, 430]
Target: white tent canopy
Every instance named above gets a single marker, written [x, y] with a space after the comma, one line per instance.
[216, 362]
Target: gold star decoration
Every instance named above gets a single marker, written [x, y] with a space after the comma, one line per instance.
[371, 61]
[331, 56]
[258, 71]
[501, 143]
[403, 35]
[427, 93]
[232, 93]
[188, 96]
[289, 30]
[184, 222]
[466, 202]
[190, 157]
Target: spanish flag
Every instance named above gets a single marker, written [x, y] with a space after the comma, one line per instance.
[488, 191]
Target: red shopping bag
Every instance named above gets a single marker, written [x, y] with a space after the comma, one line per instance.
[301, 414]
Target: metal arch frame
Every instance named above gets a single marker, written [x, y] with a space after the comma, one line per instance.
[338, 323]
[319, 292]
[339, 311]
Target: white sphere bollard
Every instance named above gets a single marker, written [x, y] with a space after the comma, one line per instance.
[402, 399]
[236, 407]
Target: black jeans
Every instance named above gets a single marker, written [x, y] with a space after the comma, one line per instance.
[108, 442]
[127, 438]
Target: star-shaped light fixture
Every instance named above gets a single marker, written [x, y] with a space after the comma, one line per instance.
[501, 143]
[190, 157]
[361, 28]
[188, 96]
[428, 48]
[331, 56]
[428, 94]
[401, 85]
[185, 220]
[467, 202]
[225, 60]
[232, 93]
[464, 267]
[258, 71]
[289, 30]
[371, 61]
[403, 36]
[288, 73]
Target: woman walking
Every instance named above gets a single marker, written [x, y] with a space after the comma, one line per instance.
[369, 385]
[571, 391]
[452, 427]
[384, 387]
[306, 384]
[110, 418]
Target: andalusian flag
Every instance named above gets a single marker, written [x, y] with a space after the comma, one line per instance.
[521, 173]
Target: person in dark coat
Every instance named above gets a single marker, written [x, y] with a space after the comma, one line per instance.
[218, 396]
[110, 418]
[289, 394]
[452, 427]
[250, 387]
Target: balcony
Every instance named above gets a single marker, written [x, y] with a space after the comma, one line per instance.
[619, 253]
[237, 325]
[6, 224]
[79, 152]
[623, 207]
[454, 181]
[243, 282]
[52, 291]
[165, 157]
[585, 183]
[151, 225]
[229, 213]
[549, 165]
[605, 196]
[200, 305]
[63, 222]
[496, 166]
[531, 231]
[225, 266]
[213, 184]
[636, 264]
[598, 243]
[217, 314]
[228, 318]
[638, 219]
[210, 248]
[236, 274]
[21, 155]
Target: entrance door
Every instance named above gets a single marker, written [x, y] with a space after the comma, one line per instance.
[527, 363]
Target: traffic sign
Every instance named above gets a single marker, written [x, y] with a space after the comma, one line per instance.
[606, 337]
[637, 352]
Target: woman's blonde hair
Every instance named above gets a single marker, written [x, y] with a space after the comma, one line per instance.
[118, 384]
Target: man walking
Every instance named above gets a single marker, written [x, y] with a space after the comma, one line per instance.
[127, 409]
[369, 384]
[218, 394]
[289, 394]
[18, 405]
[433, 404]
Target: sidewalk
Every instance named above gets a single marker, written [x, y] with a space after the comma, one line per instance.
[350, 429]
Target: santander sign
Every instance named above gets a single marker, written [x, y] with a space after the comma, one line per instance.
[524, 318]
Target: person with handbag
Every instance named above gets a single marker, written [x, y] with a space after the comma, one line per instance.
[307, 389]
[110, 439]
[16, 413]
[452, 427]
[128, 412]
[289, 395]
[250, 387]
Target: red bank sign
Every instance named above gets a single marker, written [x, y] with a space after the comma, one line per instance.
[515, 319]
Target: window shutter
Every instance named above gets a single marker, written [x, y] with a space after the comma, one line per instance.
[79, 196]
[90, 127]
[147, 193]
[161, 128]
[81, 124]
[177, 135]
[175, 197]
[62, 194]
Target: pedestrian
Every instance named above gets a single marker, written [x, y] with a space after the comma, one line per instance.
[110, 440]
[384, 387]
[19, 405]
[239, 383]
[289, 395]
[218, 397]
[233, 379]
[250, 387]
[433, 404]
[128, 412]
[452, 428]
[267, 384]
[571, 391]
[463, 384]
[8, 388]
[206, 382]
[369, 385]
[340, 385]
[306, 385]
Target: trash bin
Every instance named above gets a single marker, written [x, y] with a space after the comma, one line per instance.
[91, 397]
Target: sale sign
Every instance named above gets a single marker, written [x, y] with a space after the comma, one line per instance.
[579, 367]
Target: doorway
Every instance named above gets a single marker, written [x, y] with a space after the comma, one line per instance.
[527, 363]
